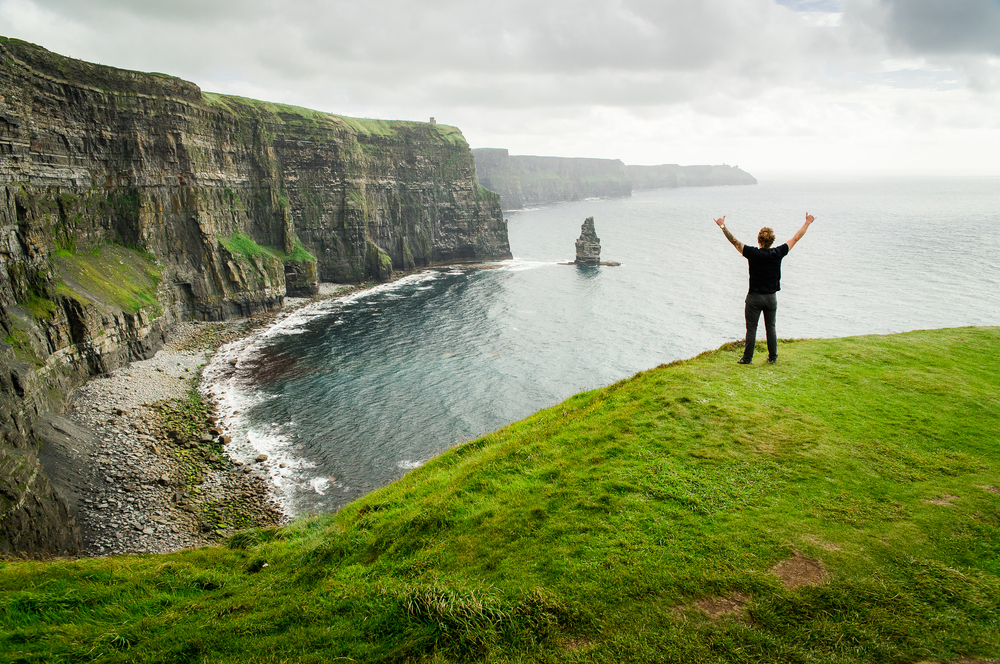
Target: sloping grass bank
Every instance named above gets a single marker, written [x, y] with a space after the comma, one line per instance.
[639, 522]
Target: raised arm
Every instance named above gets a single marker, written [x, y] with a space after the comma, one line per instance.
[802, 231]
[729, 236]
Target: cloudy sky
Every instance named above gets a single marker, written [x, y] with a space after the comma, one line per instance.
[786, 86]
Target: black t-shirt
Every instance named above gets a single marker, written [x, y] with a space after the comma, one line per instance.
[765, 268]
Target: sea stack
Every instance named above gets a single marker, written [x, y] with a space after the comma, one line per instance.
[588, 246]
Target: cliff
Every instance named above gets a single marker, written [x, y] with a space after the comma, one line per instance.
[495, 172]
[129, 201]
[667, 176]
[527, 180]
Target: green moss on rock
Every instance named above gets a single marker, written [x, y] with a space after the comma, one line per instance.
[241, 245]
[109, 275]
[378, 263]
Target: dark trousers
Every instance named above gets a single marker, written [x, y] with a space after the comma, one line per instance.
[757, 303]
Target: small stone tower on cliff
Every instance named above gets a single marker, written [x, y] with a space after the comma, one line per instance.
[588, 247]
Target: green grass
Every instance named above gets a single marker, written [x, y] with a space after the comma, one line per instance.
[232, 103]
[20, 342]
[299, 255]
[109, 274]
[307, 116]
[40, 307]
[451, 134]
[587, 532]
[243, 246]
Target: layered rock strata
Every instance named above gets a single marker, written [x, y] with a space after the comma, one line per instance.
[529, 180]
[669, 176]
[495, 172]
[526, 180]
[129, 201]
[588, 245]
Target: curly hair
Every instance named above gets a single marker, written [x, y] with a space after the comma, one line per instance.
[766, 237]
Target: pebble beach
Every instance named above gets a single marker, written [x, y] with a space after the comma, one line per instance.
[146, 490]
[152, 474]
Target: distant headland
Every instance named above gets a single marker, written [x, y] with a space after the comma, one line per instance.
[528, 180]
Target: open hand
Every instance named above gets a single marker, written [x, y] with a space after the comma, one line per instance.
[721, 221]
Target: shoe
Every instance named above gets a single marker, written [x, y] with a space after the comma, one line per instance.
[744, 360]
[772, 360]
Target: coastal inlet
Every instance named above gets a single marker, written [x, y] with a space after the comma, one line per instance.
[347, 395]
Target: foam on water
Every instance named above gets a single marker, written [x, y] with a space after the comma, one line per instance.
[237, 398]
[320, 485]
[520, 265]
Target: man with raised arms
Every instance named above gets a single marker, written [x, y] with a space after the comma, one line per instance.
[765, 278]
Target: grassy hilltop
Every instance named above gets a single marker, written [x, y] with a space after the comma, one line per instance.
[840, 506]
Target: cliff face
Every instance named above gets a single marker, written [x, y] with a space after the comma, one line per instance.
[525, 180]
[552, 179]
[528, 180]
[370, 196]
[129, 201]
[668, 176]
[495, 172]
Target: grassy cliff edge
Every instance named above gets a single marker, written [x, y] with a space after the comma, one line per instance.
[840, 506]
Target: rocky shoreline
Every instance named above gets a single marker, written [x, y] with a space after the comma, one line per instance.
[140, 453]
[143, 486]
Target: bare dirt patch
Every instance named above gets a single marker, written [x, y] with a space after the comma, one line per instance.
[991, 489]
[716, 607]
[800, 570]
[576, 643]
[945, 500]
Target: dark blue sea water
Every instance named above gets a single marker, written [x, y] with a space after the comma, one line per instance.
[351, 394]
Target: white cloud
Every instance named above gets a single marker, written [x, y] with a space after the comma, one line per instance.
[741, 81]
[822, 19]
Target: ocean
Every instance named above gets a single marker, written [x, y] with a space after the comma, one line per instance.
[346, 396]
